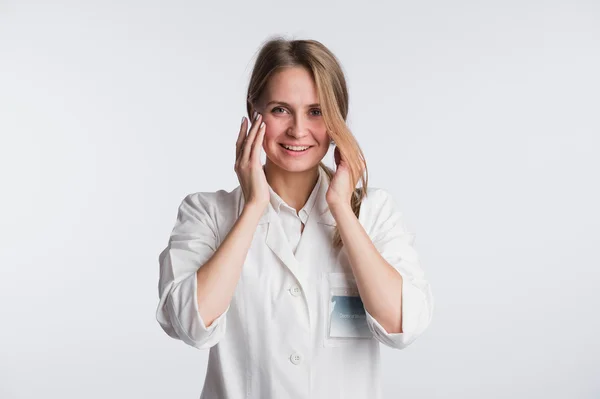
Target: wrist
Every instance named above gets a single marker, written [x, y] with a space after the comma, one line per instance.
[340, 208]
[254, 209]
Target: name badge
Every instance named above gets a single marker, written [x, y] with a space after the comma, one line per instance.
[347, 317]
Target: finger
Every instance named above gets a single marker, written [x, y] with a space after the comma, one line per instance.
[250, 139]
[241, 137]
[258, 143]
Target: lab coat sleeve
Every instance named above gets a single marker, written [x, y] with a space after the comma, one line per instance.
[387, 230]
[192, 242]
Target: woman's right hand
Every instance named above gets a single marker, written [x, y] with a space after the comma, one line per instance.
[248, 167]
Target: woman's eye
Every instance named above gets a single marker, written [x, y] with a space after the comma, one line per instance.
[277, 109]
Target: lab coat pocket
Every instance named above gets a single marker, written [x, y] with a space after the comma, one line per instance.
[345, 318]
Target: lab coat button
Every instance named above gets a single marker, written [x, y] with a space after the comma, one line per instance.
[295, 290]
[296, 358]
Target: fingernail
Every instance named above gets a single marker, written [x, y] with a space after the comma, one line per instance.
[262, 125]
[254, 115]
[257, 115]
[243, 117]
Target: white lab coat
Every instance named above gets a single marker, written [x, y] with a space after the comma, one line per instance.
[271, 342]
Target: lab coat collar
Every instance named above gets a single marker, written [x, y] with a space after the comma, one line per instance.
[276, 239]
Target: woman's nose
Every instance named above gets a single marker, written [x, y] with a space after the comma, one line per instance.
[299, 128]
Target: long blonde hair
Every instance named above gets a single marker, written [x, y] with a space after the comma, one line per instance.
[278, 53]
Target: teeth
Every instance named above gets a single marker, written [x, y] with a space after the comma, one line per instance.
[294, 148]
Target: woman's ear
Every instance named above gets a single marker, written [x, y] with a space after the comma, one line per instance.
[256, 107]
[252, 108]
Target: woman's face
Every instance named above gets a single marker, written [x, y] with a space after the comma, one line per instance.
[290, 110]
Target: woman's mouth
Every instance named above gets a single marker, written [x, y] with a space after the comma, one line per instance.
[295, 150]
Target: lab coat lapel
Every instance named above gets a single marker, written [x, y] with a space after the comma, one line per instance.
[277, 241]
[275, 238]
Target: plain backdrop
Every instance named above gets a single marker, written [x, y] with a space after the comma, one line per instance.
[481, 117]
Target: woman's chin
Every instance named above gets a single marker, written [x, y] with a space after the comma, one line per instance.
[295, 166]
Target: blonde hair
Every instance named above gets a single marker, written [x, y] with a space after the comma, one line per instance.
[278, 53]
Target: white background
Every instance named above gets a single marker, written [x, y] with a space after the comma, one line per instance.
[482, 119]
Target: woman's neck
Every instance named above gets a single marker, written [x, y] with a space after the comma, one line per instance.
[294, 188]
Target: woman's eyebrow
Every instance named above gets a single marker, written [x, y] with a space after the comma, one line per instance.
[288, 105]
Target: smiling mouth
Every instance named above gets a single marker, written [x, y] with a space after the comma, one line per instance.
[294, 148]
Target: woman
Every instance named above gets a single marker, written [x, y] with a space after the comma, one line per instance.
[293, 278]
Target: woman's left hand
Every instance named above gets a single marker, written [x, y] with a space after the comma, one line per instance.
[341, 186]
